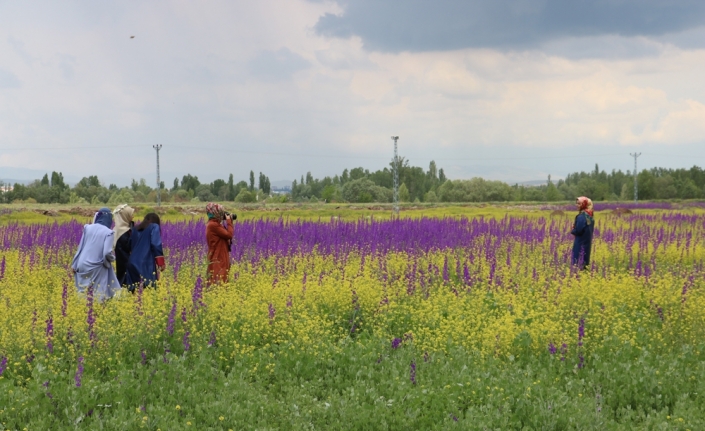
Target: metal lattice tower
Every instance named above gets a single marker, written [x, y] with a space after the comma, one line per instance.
[396, 176]
[636, 194]
[159, 183]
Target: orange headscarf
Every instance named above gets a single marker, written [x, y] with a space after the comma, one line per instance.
[585, 205]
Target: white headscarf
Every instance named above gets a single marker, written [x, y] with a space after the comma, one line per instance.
[123, 216]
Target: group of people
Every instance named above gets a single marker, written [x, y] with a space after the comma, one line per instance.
[137, 250]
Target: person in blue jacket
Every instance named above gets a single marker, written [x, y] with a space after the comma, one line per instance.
[582, 231]
[147, 255]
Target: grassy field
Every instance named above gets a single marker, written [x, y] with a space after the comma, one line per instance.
[426, 323]
[324, 212]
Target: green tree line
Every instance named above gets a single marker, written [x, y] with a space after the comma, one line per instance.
[360, 185]
[417, 185]
[90, 190]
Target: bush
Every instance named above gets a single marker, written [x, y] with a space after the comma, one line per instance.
[203, 193]
[474, 190]
[363, 190]
[181, 196]
[430, 197]
[245, 197]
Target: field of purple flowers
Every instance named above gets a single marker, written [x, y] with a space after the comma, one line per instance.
[428, 323]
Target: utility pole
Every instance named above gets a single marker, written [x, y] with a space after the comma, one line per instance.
[159, 183]
[636, 194]
[396, 176]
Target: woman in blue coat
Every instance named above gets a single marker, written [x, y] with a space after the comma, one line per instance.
[582, 231]
[147, 255]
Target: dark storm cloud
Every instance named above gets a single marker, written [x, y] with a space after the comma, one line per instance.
[422, 25]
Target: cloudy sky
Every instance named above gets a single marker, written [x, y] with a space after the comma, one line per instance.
[505, 89]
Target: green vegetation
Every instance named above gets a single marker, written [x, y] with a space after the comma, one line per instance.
[359, 185]
[367, 385]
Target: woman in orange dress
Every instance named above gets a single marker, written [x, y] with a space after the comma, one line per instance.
[219, 238]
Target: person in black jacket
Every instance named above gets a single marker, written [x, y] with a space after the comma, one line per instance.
[122, 245]
[582, 231]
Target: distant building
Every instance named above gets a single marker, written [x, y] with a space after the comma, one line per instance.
[284, 190]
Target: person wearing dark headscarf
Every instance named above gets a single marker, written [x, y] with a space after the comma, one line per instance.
[219, 239]
[92, 264]
[582, 231]
[121, 240]
[147, 254]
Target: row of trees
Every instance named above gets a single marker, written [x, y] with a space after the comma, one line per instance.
[90, 190]
[360, 185]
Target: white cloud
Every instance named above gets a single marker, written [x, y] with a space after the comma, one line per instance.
[255, 76]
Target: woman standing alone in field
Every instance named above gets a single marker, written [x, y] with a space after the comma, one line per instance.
[219, 240]
[121, 240]
[92, 265]
[582, 231]
[146, 254]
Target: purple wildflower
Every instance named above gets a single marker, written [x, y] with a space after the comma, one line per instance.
[3, 365]
[396, 343]
[64, 300]
[355, 303]
[2, 268]
[197, 294]
[552, 348]
[272, 313]
[183, 314]
[211, 339]
[564, 350]
[581, 329]
[187, 344]
[50, 334]
[79, 372]
[412, 372]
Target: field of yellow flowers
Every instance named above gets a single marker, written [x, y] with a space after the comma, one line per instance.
[430, 323]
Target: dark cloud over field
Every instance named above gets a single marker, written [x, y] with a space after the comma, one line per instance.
[421, 25]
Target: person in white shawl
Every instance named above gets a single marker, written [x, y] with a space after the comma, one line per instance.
[92, 264]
